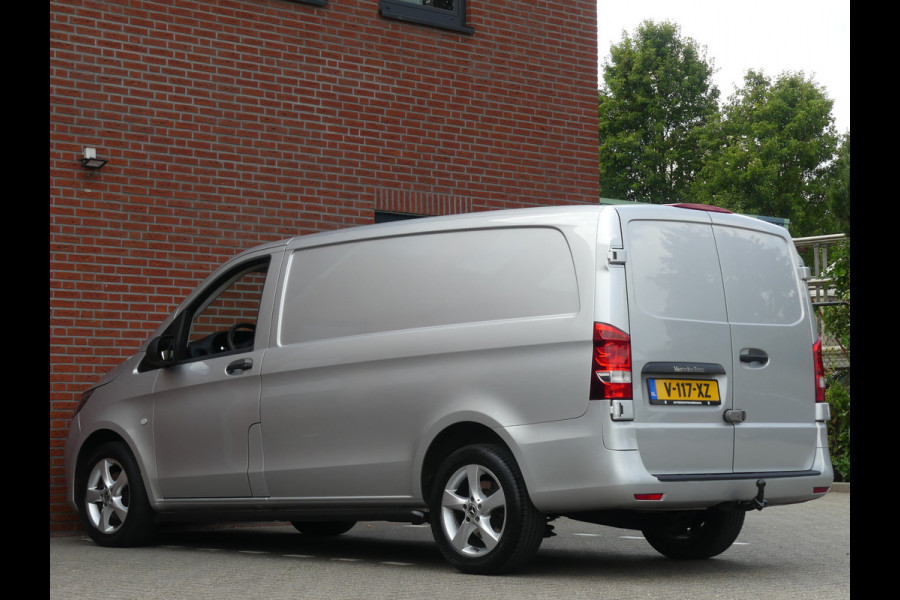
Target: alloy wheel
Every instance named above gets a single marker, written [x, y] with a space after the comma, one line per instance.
[107, 496]
[473, 510]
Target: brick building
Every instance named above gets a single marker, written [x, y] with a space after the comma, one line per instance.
[230, 123]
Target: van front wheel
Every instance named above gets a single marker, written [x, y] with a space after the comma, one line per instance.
[481, 516]
[692, 535]
[113, 506]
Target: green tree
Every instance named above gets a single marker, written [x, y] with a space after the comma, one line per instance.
[770, 152]
[838, 396]
[838, 192]
[837, 318]
[656, 97]
[837, 324]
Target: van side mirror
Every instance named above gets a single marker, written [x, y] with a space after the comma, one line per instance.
[160, 353]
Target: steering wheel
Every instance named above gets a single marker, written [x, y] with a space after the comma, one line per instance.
[229, 339]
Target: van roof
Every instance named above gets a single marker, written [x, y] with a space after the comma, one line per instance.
[544, 215]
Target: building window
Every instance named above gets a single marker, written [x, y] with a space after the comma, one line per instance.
[382, 216]
[447, 14]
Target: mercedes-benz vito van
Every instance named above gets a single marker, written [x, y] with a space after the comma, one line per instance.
[646, 367]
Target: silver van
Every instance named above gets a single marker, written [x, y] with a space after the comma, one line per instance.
[646, 367]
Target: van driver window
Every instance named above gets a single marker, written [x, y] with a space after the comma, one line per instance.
[226, 320]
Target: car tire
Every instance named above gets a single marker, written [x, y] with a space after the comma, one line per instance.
[113, 506]
[693, 535]
[481, 516]
[323, 528]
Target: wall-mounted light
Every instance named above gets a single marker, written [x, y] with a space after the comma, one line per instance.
[90, 160]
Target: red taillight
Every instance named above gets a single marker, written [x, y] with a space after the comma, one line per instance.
[611, 366]
[820, 371]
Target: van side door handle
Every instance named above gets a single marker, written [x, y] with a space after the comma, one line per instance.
[239, 366]
[754, 355]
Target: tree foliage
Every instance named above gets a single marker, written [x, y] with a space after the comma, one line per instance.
[770, 152]
[838, 192]
[838, 396]
[837, 318]
[656, 98]
[837, 323]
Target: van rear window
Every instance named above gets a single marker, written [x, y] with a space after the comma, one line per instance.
[760, 277]
[676, 270]
[426, 280]
[701, 272]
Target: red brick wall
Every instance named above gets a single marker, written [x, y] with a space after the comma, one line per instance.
[229, 123]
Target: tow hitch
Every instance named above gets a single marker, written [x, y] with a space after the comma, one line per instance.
[759, 502]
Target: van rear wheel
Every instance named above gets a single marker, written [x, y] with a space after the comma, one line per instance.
[323, 528]
[481, 516]
[692, 535]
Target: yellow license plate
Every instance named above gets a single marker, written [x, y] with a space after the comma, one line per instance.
[683, 391]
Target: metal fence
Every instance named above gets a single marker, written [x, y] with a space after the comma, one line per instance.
[821, 288]
[834, 356]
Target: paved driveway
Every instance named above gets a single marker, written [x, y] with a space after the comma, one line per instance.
[795, 552]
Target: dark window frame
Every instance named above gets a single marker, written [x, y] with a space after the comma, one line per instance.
[424, 14]
[387, 216]
[313, 2]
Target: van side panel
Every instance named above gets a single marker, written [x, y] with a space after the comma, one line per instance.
[430, 280]
[380, 340]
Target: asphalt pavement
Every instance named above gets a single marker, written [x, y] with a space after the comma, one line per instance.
[798, 552]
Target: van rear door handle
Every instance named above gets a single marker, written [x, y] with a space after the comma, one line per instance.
[239, 366]
[754, 355]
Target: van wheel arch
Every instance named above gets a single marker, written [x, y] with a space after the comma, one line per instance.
[449, 441]
[94, 441]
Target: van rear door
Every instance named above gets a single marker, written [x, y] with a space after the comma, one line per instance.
[721, 344]
[680, 341]
[772, 337]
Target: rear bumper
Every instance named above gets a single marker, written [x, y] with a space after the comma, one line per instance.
[567, 468]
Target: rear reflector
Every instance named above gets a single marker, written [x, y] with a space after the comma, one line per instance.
[611, 365]
[820, 371]
[648, 496]
[821, 490]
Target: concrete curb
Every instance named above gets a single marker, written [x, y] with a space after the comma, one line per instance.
[840, 486]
